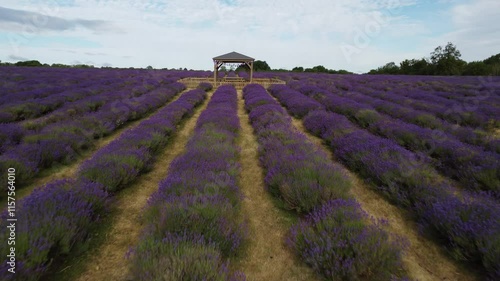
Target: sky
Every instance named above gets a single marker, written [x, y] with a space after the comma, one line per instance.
[356, 35]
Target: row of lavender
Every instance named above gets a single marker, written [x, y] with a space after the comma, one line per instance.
[72, 91]
[26, 93]
[469, 223]
[469, 101]
[473, 166]
[63, 141]
[335, 237]
[83, 101]
[55, 219]
[23, 106]
[95, 100]
[37, 82]
[18, 83]
[417, 110]
[428, 120]
[444, 91]
[466, 101]
[193, 221]
[33, 103]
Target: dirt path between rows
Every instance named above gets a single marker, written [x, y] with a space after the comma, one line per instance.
[109, 261]
[424, 260]
[70, 170]
[266, 258]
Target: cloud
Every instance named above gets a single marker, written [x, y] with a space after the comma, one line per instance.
[95, 54]
[65, 50]
[41, 21]
[476, 31]
[188, 33]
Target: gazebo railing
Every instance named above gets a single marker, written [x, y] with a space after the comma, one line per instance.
[238, 82]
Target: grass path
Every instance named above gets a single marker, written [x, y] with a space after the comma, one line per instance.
[424, 260]
[107, 260]
[266, 257]
[61, 171]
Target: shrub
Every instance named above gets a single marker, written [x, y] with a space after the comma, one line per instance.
[336, 242]
[51, 221]
[180, 257]
[366, 117]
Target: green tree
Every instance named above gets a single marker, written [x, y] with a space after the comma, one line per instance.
[493, 64]
[495, 69]
[343, 71]
[447, 60]
[83, 66]
[415, 67]
[242, 67]
[59, 65]
[259, 65]
[320, 68]
[298, 69]
[28, 63]
[476, 68]
[492, 60]
[388, 68]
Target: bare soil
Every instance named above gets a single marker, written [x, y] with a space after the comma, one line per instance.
[267, 257]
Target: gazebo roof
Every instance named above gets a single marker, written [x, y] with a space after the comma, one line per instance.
[233, 57]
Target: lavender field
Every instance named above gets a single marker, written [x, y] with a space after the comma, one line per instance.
[115, 174]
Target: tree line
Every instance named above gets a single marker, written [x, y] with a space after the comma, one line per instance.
[259, 65]
[442, 61]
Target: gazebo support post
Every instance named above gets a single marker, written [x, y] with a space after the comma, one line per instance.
[215, 73]
[251, 71]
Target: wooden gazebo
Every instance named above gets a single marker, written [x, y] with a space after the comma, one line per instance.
[232, 57]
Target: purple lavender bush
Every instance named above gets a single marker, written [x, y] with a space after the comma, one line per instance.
[475, 168]
[25, 108]
[10, 135]
[296, 172]
[51, 220]
[336, 241]
[212, 216]
[205, 86]
[405, 98]
[193, 221]
[58, 217]
[470, 227]
[119, 163]
[181, 257]
[295, 102]
[410, 182]
[62, 142]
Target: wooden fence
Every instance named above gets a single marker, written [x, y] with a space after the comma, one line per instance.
[238, 82]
